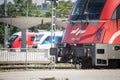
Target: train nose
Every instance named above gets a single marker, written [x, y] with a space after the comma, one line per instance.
[9, 45]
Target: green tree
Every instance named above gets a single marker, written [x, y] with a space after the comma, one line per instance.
[63, 9]
[12, 13]
[2, 10]
[11, 10]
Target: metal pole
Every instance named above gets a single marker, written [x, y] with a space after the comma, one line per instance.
[26, 61]
[5, 25]
[53, 27]
[24, 37]
[27, 8]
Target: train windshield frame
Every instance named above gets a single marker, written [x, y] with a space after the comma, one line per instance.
[87, 10]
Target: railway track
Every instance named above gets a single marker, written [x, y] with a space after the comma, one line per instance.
[37, 66]
[46, 66]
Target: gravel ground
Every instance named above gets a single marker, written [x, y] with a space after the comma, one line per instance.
[63, 74]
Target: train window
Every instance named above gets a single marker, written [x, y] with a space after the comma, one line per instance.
[32, 38]
[116, 13]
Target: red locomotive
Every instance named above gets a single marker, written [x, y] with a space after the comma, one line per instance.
[92, 34]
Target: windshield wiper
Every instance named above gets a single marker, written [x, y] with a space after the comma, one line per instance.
[85, 11]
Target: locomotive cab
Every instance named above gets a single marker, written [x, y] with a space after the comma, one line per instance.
[92, 35]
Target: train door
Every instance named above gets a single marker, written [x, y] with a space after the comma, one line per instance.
[30, 39]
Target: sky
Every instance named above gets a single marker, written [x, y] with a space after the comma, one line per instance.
[38, 1]
[2, 1]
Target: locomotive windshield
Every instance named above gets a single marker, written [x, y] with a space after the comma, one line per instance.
[12, 38]
[87, 9]
[38, 37]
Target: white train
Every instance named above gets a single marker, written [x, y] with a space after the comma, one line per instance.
[46, 39]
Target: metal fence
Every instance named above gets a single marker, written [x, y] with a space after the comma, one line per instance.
[25, 56]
